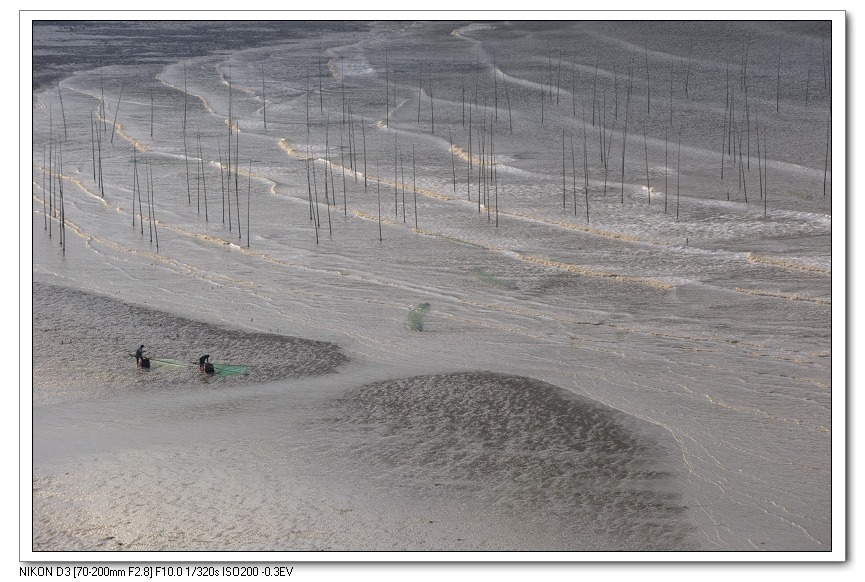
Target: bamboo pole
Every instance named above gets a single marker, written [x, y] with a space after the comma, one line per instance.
[50, 186]
[646, 149]
[307, 99]
[742, 169]
[327, 157]
[414, 184]
[463, 99]
[747, 124]
[648, 88]
[102, 113]
[671, 94]
[678, 173]
[559, 76]
[320, 89]
[99, 152]
[765, 175]
[688, 72]
[221, 179]
[395, 176]
[149, 205]
[419, 92]
[495, 170]
[828, 142]
[586, 161]
[44, 170]
[724, 128]
[62, 200]
[432, 107]
[134, 184]
[666, 183]
[203, 181]
[62, 110]
[92, 146]
[595, 90]
[342, 86]
[308, 183]
[153, 206]
[625, 132]
[602, 132]
[481, 137]
[540, 82]
[363, 135]
[759, 156]
[228, 159]
[564, 189]
[824, 52]
[469, 160]
[198, 169]
[248, 202]
[508, 98]
[352, 149]
[808, 77]
[185, 152]
[378, 191]
[236, 176]
[573, 171]
[778, 82]
[138, 189]
[116, 110]
[317, 218]
[495, 90]
[342, 163]
[453, 161]
[402, 187]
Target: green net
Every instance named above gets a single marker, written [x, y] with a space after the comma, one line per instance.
[169, 362]
[229, 369]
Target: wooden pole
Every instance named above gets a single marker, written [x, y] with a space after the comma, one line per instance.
[62, 110]
[646, 149]
[203, 181]
[678, 173]
[153, 206]
[378, 190]
[414, 184]
[114, 125]
[92, 146]
[248, 202]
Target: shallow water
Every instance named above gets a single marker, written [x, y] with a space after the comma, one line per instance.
[688, 321]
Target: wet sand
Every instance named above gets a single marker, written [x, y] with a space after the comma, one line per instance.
[525, 448]
[83, 346]
[299, 456]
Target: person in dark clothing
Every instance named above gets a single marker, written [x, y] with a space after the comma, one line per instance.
[204, 364]
[139, 355]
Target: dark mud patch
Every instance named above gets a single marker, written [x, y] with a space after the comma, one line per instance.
[591, 477]
[83, 346]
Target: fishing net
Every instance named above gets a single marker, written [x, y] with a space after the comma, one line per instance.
[416, 316]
